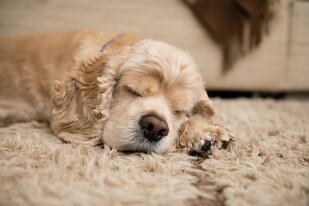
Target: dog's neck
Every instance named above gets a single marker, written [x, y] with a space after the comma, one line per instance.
[109, 42]
[120, 41]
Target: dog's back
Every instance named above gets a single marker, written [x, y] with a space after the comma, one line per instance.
[29, 66]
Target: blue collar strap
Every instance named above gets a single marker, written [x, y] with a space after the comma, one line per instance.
[109, 42]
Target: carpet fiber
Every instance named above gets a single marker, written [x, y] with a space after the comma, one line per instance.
[267, 165]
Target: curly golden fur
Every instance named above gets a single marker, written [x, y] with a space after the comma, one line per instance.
[95, 86]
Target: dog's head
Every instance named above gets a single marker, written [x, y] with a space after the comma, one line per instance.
[134, 100]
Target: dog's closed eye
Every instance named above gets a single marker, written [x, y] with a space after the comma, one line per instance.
[133, 92]
[178, 112]
[181, 112]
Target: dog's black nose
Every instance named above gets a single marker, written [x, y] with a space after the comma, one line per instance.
[153, 127]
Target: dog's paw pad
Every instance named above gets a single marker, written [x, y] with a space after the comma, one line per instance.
[206, 145]
[201, 148]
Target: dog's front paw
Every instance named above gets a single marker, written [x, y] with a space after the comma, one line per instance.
[198, 137]
[197, 147]
[218, 135]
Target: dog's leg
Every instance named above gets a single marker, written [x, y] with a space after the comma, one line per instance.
[199, 136]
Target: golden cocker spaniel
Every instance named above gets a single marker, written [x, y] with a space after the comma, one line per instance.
[133, 94]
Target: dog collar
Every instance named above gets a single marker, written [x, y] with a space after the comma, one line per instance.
[109, 42]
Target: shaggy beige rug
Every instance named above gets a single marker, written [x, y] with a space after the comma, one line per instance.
[267, 165]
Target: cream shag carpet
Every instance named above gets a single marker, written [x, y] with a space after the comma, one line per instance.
[267, 165]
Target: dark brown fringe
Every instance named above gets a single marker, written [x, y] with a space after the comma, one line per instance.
[238, 26]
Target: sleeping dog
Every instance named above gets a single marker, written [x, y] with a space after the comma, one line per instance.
[130, 93]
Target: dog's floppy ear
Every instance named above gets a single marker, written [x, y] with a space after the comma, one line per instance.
[204, 105]
[82, 99]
